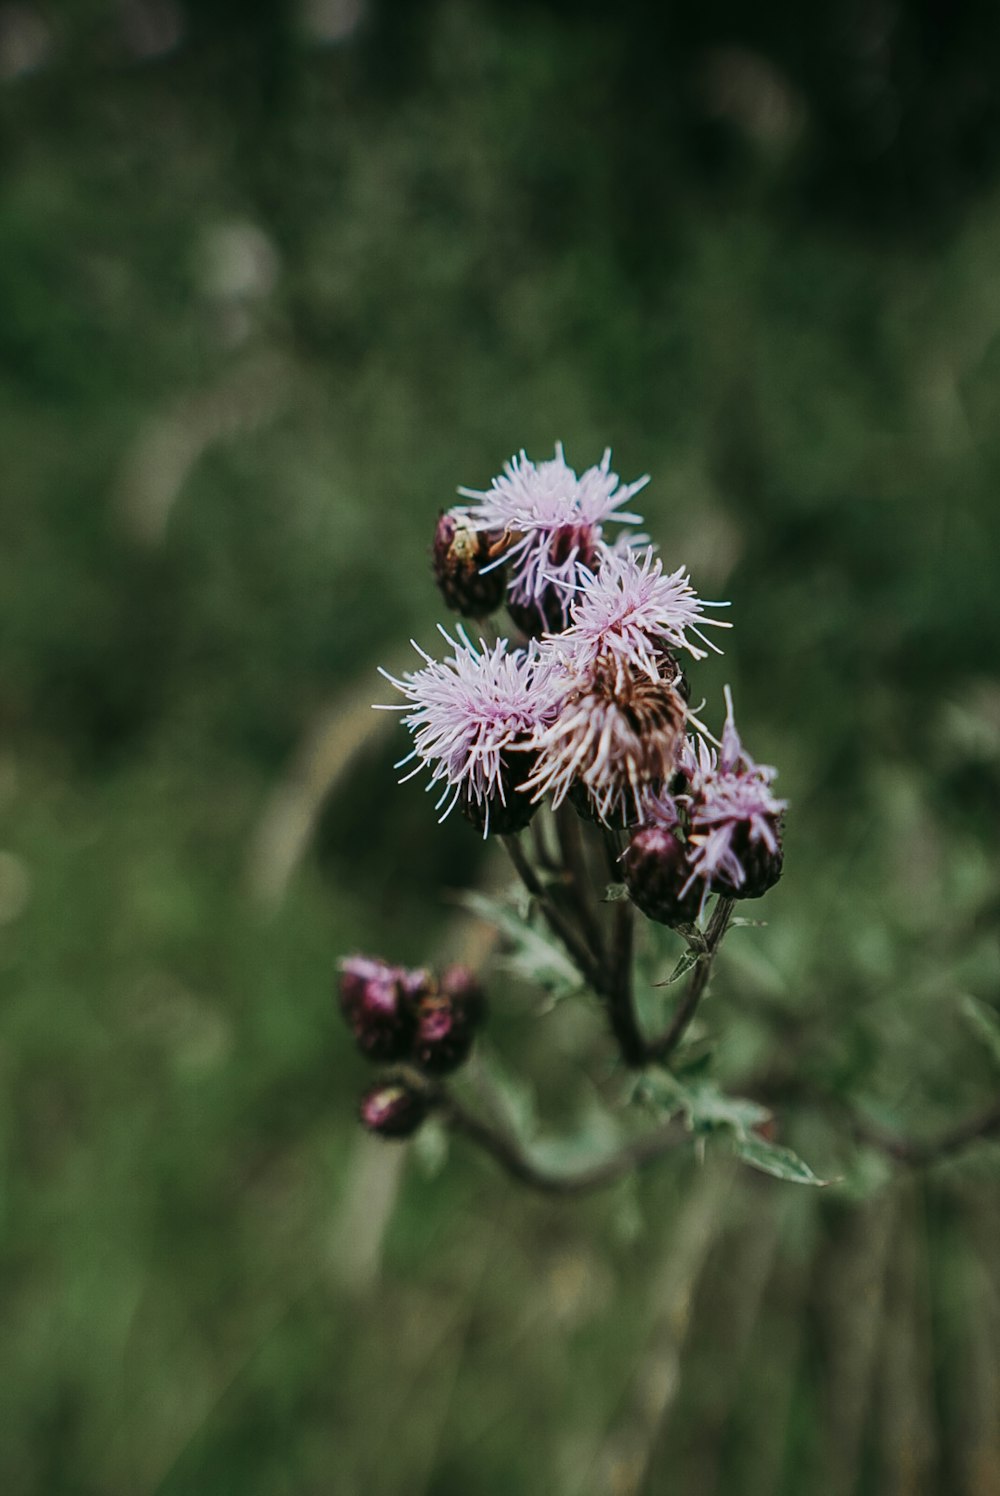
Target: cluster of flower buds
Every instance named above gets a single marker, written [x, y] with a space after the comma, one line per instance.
[718, 832]
[591, 704]
[423, 1022]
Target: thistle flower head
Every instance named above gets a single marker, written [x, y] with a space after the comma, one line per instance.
[467, 713]
[617, 734]
[734, 817]
[631, 611]
[551, 525]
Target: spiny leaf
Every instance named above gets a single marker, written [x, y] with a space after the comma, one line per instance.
[534, 955]
[780, 1162]
[684, 965]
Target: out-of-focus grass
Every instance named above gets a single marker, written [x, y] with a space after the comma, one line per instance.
[252, 341]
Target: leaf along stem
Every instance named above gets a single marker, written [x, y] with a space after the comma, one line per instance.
[560, 926]
[511, 1157]
[661, 1048]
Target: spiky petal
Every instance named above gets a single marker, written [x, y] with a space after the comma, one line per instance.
[468, 712]
[552, 524]
[617, 735]
[632, 611]
[734, 818]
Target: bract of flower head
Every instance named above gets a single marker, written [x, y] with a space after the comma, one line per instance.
[468, 711]
[616, 734]
[551, 526]
[731, 808]
[632, 612]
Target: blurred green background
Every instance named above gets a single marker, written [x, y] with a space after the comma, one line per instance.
[275, 280]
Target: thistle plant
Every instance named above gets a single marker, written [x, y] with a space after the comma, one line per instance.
[635, 833]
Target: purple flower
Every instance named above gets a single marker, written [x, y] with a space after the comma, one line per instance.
[632, 612]
[469, 714]
[734, 819]
[616, 736]
[551, 525]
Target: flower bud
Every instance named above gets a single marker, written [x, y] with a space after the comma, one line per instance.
[656, 870]
[761, 864]
[447, 1021]
[393, 1109]
[379, 1004]
[461, 984]
[460, 555]
[515, 810]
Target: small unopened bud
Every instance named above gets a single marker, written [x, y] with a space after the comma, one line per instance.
[460, 556]
[462, 985]
[393, 1109]
[511, 813]
[379, 1004]
[656, 870]
[761, 865]
[447, 1021]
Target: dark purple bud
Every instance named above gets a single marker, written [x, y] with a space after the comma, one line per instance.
[447, 1021]
[656, 870]
[393, 1109]
[511, 813]
[461, 984]
[379, 1004]
[761, 864]
[460, 556]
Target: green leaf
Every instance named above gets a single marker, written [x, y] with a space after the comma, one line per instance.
[781, 1163]
[705, 1107]
[984, 1022]
[684, 965]
[615, 893]
[533, 956]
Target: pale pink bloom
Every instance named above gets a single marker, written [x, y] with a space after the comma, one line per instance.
[549, 525]
[730, 804]
[632, 611]
[467, 711]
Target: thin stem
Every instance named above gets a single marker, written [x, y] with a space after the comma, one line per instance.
[621, 1008]
[575, 865]
[664, 1046]
[509, 1155]
[560, 926]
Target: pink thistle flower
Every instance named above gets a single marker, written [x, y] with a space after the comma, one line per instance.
[616, 736]
[551, 526]
[734, 818]
[632, 612]
[467, 713]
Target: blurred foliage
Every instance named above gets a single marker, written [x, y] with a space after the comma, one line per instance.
[275, 280]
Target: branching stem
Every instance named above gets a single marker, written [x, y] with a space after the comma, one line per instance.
[661, 1048]
[508, 1153]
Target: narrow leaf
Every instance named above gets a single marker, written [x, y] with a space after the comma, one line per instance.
[534, 956]
[781, 1163]
[684, 965]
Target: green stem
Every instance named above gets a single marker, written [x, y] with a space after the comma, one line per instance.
[661, 1048]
